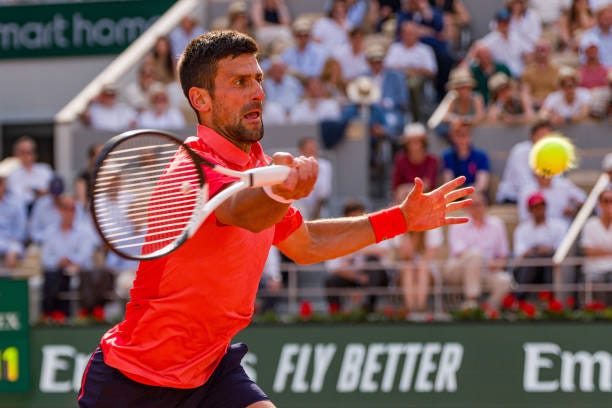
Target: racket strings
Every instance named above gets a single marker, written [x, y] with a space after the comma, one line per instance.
[145, 193]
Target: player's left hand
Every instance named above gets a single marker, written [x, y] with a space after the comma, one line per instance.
[423, 211]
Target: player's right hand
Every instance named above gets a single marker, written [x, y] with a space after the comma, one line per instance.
[301, 180]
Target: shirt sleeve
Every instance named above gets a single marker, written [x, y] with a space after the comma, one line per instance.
[288, 225]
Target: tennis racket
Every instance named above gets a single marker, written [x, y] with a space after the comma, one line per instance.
[149, 193]
[441, 110]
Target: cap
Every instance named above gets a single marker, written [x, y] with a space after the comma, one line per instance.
[375, 52]
[301, 26]
[413, 131]
[606, 164]
[460, 77]
[497, 81]
[503, 15]
[535, 199]
[56, 185]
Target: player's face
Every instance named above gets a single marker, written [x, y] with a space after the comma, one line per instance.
[237, 102]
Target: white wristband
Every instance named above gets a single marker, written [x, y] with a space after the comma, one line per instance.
[275, 197]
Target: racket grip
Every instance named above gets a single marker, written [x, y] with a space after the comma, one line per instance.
[269, 175]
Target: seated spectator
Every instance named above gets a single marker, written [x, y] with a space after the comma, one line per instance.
[356, 270]
[463, 159]
[280, 86]
[416, 60]
[537, 237]
[577, 19]
[510, 102]
[593, 76]
[569, 104]
[414, 160]
[66, 251]
[541, 75]
[516, 172]
[305, 58]
[238, 17]
[163, 60]
[506, 45]
[352, 56]
[596, 243]
[478, 254]
[106, 113]
[30, 180]
[483, 67]
[315, 106]
[136, 94]
[159, 114]
[333, 80]
[180, 36]
[469, 105]
[602, 31]
[271, 22]
[46, 211]
[12, 226]
[331, 31]
[456, 19]
[563, 197]
[525, 22]
[416, 252]
[314, 205]
[274, 114]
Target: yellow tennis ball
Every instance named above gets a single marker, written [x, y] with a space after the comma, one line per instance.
[551, 155]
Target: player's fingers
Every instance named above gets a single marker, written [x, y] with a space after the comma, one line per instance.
[451, 185]
[283, 158]
[456, 220]
[418, 187]
[458, 205]
[457, 194]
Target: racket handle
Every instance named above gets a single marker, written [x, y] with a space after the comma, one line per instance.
[269, 175]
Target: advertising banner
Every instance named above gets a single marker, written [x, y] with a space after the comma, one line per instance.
[75, 29]
[14, 336]
[381, 365]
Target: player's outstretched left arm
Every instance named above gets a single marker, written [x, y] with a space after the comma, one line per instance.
[316, 241]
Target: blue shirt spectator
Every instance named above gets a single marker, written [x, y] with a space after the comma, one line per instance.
[45, 211]
[306, 58]
[12, 226]
[281, 87]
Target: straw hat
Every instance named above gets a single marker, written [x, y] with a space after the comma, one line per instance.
[363, 91]
[237, 7]
[497, 81]
[375, 52]
[8, 165]
[460, 77]
[301, 26]
[413, 131]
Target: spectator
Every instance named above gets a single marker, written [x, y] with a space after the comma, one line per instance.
[12, 226]
[416, 251]
[602, 32]
[160, 115]
[83, 181]
[549, 11]
[537, 237]
[456, 19]
[569, 104]
[188, 29]
[469, 105]
[596, 243]
[463, 159]
[331, 31]
[352, 56]
[385, 11]
[136, 94]
[106, 113]
[562, 196]
[483, 68]
[66, 251]
[46, 211]
[238, 17]
[594, 77]
[540, 76]
[305, 58]
[314, 206]
[510, 102]
[271, 21]
[525, 22]
[478, 255]
[416, 60]
[315, 106]
[507, 46]
[30, 180]
[280, 86]
[333, 81]
[362, 269]
[394, 91]
[577, 19]
[517, 172]
[163, 60]
[414, 160]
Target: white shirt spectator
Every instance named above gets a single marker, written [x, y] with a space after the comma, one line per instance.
[307, 112]
[490, 240]
[352, 64]
[550, 11]
[117, 118]
[595, 235]
[23, 183]
[172, 118]
[516, 172]
[274, 113]
[418, 56]
[321, 191]
[528, 27]
[527, 235]
[329, 33]
[561, 194]
[509, 51]
[556, 103]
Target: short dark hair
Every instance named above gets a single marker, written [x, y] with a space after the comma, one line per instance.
[198, 63]
[542, 123]
[351, 206]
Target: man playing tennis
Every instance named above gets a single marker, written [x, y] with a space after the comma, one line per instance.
[173, 347]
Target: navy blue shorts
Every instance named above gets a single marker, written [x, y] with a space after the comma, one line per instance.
[229, 387]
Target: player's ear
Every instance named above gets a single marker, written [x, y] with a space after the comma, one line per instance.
[200, 99]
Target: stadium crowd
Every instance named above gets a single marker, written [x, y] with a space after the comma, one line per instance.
[544, 64]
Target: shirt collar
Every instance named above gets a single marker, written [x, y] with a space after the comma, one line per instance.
[223, 147]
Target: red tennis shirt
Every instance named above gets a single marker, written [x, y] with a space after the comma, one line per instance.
[187, 306]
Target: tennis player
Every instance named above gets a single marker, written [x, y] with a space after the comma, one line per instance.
[173, 347]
